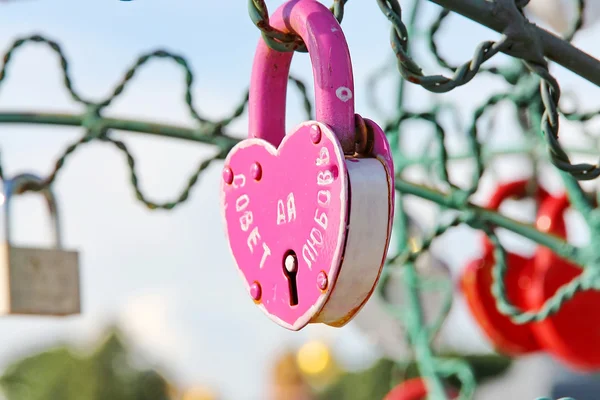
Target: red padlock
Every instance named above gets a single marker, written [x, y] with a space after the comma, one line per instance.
[476, 284]
[573, 334]
[415, 389]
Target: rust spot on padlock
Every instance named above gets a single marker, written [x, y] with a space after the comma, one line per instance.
[364, 137]
[351, 313]
[256, 291]
[322, 282]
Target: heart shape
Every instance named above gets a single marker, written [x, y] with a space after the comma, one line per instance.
[569, 333]
[284, 202]
[476, 283]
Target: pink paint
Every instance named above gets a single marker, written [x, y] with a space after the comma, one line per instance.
[256, 171]
[315, 134]
[332, 70]
[227, 175]
[299, 205]
[290, 195]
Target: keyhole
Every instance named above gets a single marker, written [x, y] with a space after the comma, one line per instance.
[290, 269]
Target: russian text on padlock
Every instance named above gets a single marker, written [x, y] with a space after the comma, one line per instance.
[39, 281]
[308, 219]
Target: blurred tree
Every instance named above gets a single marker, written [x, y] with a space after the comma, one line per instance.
[59, 374]
[199, 393]
[377, 381]
[287, 381]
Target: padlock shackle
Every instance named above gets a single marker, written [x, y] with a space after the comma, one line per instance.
[23, 183]
[514, 189]
[332, 73]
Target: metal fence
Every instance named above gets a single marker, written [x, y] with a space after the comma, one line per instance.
[533, 92]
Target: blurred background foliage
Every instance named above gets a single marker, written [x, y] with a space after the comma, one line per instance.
[113, 371]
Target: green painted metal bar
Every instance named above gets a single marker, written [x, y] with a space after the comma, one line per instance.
[557, 245]
[203, 135]
[495, 15]
[200, 135]
[523, 40]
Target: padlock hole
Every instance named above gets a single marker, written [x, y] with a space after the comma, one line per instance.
[290, 270]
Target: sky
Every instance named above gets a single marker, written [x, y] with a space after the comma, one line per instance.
[167, 277]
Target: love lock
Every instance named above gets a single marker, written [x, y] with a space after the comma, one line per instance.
[308, 215]
[415, 389]
[42, 281]
[573, 333]
[476, 284]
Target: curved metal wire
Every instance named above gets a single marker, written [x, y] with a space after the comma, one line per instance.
[532, 90]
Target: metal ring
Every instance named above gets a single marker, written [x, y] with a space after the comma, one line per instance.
[27, 182]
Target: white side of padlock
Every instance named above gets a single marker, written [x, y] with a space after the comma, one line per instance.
[366, 241]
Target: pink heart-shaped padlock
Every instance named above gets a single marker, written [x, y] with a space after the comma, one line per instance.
[307, 218]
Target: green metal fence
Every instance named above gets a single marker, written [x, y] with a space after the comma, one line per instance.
[533, 92]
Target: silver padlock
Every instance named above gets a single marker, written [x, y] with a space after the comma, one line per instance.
[37, 281]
